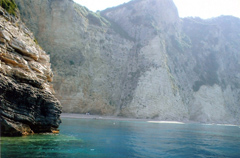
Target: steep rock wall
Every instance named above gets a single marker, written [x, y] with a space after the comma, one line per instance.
[27, 103]
[215, 52]
[150, 25]
[89, 58]
[140, 60]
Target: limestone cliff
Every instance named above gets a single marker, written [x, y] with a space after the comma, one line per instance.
[27, 103]
[214, 72]
[89, 59]
[140, 60]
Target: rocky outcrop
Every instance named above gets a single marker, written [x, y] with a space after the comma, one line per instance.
[140, 60]
[27, 103]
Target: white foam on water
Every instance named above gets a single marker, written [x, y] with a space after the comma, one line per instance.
[230, 125]
[226, 125]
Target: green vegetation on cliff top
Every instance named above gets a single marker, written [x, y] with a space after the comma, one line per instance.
[9, 5]
[100, 20]
[93, 18]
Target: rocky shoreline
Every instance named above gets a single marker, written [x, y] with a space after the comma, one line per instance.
[99, 117]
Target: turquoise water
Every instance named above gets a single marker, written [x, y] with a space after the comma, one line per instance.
[127, 139]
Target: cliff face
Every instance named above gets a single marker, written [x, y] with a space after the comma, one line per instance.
[89, 59]
[214, 76]
[156, 94]
[140, 60]
[27, 103]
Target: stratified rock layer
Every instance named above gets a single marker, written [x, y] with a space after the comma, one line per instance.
[140, 60]
[27, 103]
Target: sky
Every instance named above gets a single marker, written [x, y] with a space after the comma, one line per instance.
[200, 8]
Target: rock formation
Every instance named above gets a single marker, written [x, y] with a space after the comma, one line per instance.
[27, 103]
[140, 60]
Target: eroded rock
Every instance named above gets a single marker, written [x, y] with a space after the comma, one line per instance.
[27, 103]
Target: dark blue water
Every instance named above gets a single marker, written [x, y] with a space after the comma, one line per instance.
[127, 139]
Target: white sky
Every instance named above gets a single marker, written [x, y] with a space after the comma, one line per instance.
[95, 5]
[201, 8]
[208, 8]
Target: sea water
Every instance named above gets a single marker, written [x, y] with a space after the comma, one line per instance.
[82, 138]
